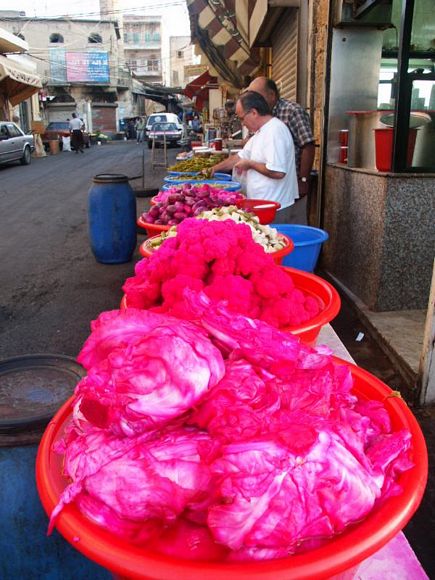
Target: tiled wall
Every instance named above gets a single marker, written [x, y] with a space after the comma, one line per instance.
[382, 236]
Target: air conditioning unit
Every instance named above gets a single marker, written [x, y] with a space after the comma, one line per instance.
[363, 13]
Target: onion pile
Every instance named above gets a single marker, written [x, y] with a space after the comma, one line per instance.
[188, 200]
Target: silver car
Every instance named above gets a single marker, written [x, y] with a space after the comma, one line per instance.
[14, 144]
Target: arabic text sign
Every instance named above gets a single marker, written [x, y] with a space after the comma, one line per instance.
[87, 67]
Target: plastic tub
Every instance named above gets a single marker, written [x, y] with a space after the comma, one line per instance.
[146, 248]
[341, 553]
[152, 229]
[308, 243]
[324, 293]
[315, 286]
[184, 176]
[227, 185]
[264, 209]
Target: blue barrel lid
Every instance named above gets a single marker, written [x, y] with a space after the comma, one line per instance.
[110, 178]
[33, 387]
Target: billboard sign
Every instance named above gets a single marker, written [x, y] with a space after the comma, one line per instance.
[87, 67]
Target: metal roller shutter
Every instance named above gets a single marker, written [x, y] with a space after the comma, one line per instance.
[285, 54]
[104, 117]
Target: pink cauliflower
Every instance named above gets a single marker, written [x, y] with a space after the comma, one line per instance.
[222, 259]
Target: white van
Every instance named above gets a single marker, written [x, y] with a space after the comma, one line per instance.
[161, 118]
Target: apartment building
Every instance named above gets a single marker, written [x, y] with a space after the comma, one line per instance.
[143, 47]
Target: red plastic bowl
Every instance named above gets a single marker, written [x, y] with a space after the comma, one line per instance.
[146, 248]
[341, 553]
[324, 293]
[152, 229]
[265, 214]
[315, 286]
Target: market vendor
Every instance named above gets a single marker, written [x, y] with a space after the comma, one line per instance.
[267, 161]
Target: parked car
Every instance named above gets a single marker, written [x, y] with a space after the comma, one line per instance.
[161, 118]
[14, 144]
[164, 131]
[58, 129]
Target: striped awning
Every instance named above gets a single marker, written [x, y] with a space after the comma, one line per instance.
[16, 83]
[214, 25]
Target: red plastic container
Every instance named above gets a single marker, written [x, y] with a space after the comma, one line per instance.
[315, 286]
[341, 553]
[384, 147]
[324, 293]
[146, 248]
[151, 229]
[265, 214]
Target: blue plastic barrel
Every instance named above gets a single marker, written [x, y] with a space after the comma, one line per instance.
[308, 243]
[112, 218]
[32, 388]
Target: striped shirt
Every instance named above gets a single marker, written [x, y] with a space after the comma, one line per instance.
[298, 121]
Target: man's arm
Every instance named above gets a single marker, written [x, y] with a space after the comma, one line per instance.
[225, 165]
[245, 164]
[307, 159]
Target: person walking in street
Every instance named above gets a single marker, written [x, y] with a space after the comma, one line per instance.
[298, 122]
[267, 161]
[76, 126]
[140, 130]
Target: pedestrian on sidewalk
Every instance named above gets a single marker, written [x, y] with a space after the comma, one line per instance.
[140, 130]
[76, 127]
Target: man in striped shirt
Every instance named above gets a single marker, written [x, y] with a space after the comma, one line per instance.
[298, 122]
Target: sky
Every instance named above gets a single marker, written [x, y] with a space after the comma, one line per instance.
[174, 11]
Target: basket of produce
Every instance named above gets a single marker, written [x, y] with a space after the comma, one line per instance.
[222, 258]
[263, 208]
[276, 244]
[177, 177]
[198, 163]
[323, 464]
[151, 228]
[170, 206]
[227, 185]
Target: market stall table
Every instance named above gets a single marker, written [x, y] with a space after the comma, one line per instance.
[397, 555]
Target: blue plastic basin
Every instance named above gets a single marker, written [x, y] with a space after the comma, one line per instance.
[184, 176]
[308, 243]
[227, 185]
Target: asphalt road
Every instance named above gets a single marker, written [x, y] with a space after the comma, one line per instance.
[51, 285]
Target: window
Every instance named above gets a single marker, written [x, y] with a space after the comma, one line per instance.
[95, 38]
[56, 37]
[19, 35]
[13, 130]
[179, 54]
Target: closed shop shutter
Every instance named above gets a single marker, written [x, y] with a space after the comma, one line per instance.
[104, 118]
[60, 113]
[285, 54]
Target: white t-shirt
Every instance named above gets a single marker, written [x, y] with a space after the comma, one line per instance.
[273, 145]
[75, 124]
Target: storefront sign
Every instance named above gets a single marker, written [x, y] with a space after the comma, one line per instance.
[193, 70]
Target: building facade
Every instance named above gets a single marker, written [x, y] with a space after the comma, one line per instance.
[81, 67]
[143, 47]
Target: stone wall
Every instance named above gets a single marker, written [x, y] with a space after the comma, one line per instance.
[382, 235]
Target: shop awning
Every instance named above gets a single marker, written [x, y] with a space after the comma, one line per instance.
[217, 24]
[199, 87]
[16, 83]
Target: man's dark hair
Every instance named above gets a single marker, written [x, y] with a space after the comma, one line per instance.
[253, 100]
[271, 86]
[74, 115]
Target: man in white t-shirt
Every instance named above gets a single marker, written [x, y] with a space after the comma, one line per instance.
[267, 161]
[75, 126]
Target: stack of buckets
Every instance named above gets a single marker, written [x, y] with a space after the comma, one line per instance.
[308, 243]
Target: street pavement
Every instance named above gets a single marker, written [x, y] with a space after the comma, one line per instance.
[51, 285]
